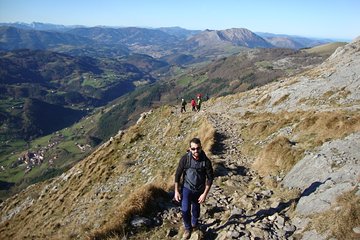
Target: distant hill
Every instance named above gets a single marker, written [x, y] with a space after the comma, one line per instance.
[144, 62]
[289, 41]
[277, 40]
[67, 72]
[235, 36]
[66, 81]
[179, 32]
[14, 38]
[152, 42]
[284, 42]
[40, 26]
[210, 44]
[170, 43]
[181, 59]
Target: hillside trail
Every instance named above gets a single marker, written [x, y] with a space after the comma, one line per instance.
[240, 205]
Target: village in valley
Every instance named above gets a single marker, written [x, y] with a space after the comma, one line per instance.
[36, 157]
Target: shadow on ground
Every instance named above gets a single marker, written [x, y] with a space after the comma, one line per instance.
[219, 146]
[259, 215]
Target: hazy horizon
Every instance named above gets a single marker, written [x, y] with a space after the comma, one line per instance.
[333, 19]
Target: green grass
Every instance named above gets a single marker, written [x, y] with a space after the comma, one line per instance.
[7, 150]
[185, 80]
[66, 151]
[14, 175]
[8, 103]
[264, 64]
[92, 82]
[42, 141]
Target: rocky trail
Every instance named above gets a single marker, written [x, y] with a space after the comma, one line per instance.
[244, 208]
[239, 205]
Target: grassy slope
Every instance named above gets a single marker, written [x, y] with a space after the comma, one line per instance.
[146, 154]
[326, 49]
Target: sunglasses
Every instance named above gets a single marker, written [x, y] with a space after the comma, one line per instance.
[198, 148]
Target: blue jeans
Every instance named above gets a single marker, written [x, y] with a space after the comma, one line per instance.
[190, 207]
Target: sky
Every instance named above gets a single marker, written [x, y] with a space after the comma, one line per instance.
[335, 19]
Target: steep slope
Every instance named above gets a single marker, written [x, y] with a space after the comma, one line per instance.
[87, 195]
[254, 138]
[301, 134]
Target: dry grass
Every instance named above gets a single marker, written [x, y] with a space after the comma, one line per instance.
[317, 128]
[262, 101]
[206, 132]
[328, 94]
[331, 97]
[274, 153]
[340, 220]
[281, 100]
[141, 201]
[258, 127]
[325, 49]
[278, 156]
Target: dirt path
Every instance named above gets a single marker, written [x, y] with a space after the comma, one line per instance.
[240, 206]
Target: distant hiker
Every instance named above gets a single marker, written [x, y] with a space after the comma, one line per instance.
[198, 103]
[183, 104]
[197, 175]
[193, 105]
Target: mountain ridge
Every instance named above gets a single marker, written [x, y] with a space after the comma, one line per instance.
[167, 37]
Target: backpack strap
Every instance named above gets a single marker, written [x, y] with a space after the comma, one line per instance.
[188, 160]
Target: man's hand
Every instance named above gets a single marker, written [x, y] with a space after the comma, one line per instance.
[202, 198]
[177, 196]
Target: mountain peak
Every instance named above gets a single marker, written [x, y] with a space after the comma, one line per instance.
[234, 36]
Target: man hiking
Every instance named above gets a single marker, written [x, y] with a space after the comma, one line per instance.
[197, 174]
[198, 103]
[183, 105]
[193, 105]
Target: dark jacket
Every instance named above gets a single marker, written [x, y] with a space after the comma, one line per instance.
[183, 166]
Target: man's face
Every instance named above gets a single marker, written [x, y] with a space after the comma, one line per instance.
[195, 149]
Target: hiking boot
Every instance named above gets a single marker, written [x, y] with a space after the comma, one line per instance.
[187, 234]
